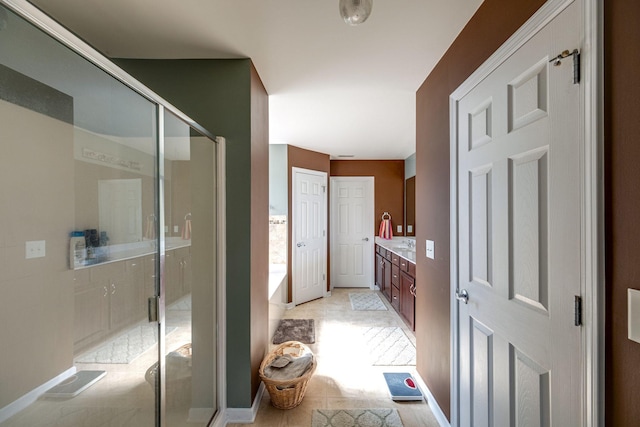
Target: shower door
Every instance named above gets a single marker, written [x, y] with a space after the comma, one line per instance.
[108, 245]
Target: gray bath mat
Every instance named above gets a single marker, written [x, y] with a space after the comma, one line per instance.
[75, 384]
[125, 348]
[382, 417]
[389, 346]
[302, 330]
[366, 302]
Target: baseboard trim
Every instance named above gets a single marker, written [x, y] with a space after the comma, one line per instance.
[290, 306]
[220, 419]
[327, 294]
[246, 415]
[23, 402]
[433, 404]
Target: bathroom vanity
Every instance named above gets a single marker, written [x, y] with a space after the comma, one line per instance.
[395, 275]
[111, 295]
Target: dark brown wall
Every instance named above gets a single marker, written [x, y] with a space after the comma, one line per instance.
[389, 185]
[259, 226]
[622, 193]
[306, 159]
[492, 24]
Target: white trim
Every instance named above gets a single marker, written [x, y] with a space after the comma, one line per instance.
[593, 214]
[246, 415]
[220, 419]
[432, 402]
[27, 399]
[371, 187]
[292, 280]
[592, 198]
[221, 249]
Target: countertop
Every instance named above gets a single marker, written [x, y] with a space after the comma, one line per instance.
[398, 245]
[135, 250]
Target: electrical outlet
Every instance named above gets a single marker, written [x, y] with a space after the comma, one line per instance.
[176, 228]
[409, 228]
[35, 249]
[399, 229]
[430, 249]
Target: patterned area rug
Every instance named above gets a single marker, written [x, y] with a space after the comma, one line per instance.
[389, 346]
[366, 302]
[125, 348]
[384, 417]
[302, 330]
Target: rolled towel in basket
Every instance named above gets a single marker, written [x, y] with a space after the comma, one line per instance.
[297, 367]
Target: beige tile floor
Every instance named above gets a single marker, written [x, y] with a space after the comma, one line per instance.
[344, 378]
[123, 398]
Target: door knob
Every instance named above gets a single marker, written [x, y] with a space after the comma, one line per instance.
[366, 239]
[462, 295]
[300, 244]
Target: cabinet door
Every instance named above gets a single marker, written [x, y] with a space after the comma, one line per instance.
[91, 315]
[126, 293]
[379, 273]
[407, 300]
[183, 256]
[386, 282]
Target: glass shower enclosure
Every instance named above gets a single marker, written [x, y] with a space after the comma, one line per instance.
[108, 244]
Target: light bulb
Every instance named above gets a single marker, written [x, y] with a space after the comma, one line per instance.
[355, 12]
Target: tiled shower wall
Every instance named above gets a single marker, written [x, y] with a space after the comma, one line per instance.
[278, 239]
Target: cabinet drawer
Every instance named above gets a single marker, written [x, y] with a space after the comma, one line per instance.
[395, 298]
[404, 265]
[395, 259]
[395, 275]
[411, 269]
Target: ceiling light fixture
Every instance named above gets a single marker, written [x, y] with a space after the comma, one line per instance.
[355, 12]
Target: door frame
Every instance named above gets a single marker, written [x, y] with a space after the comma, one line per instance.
[294, 171]
[592, 208]
[371, 187]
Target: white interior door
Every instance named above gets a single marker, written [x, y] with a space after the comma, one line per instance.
[309, 235]
[120, 209]
[519, 237]
[352, 232]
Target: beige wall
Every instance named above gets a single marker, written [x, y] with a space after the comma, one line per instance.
[36, 307]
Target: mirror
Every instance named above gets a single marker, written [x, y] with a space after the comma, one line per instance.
[410, 206]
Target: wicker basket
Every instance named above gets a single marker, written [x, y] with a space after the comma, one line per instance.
[287, 394]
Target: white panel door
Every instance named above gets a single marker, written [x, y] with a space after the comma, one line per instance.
[519, 244]
[352, 232]
[120, 209]
[309, 235]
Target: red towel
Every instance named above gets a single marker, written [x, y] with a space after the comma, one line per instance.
[385, 229]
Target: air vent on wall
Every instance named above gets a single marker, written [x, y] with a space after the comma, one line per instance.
[346, 155]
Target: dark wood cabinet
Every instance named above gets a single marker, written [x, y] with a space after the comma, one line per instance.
[395, 277]
[407, 299]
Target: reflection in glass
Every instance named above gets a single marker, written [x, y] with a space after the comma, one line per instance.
[79, 176]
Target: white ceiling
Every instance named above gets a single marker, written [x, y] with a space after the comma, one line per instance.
[333, 88]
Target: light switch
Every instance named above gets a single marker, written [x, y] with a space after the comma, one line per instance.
[35, 249]
[430, 249]
[633, 303]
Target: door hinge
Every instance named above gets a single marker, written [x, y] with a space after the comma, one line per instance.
[154, 308]
[575, 54]
[324, 277]
[324, 233]
[577, 310]
[324, 188]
